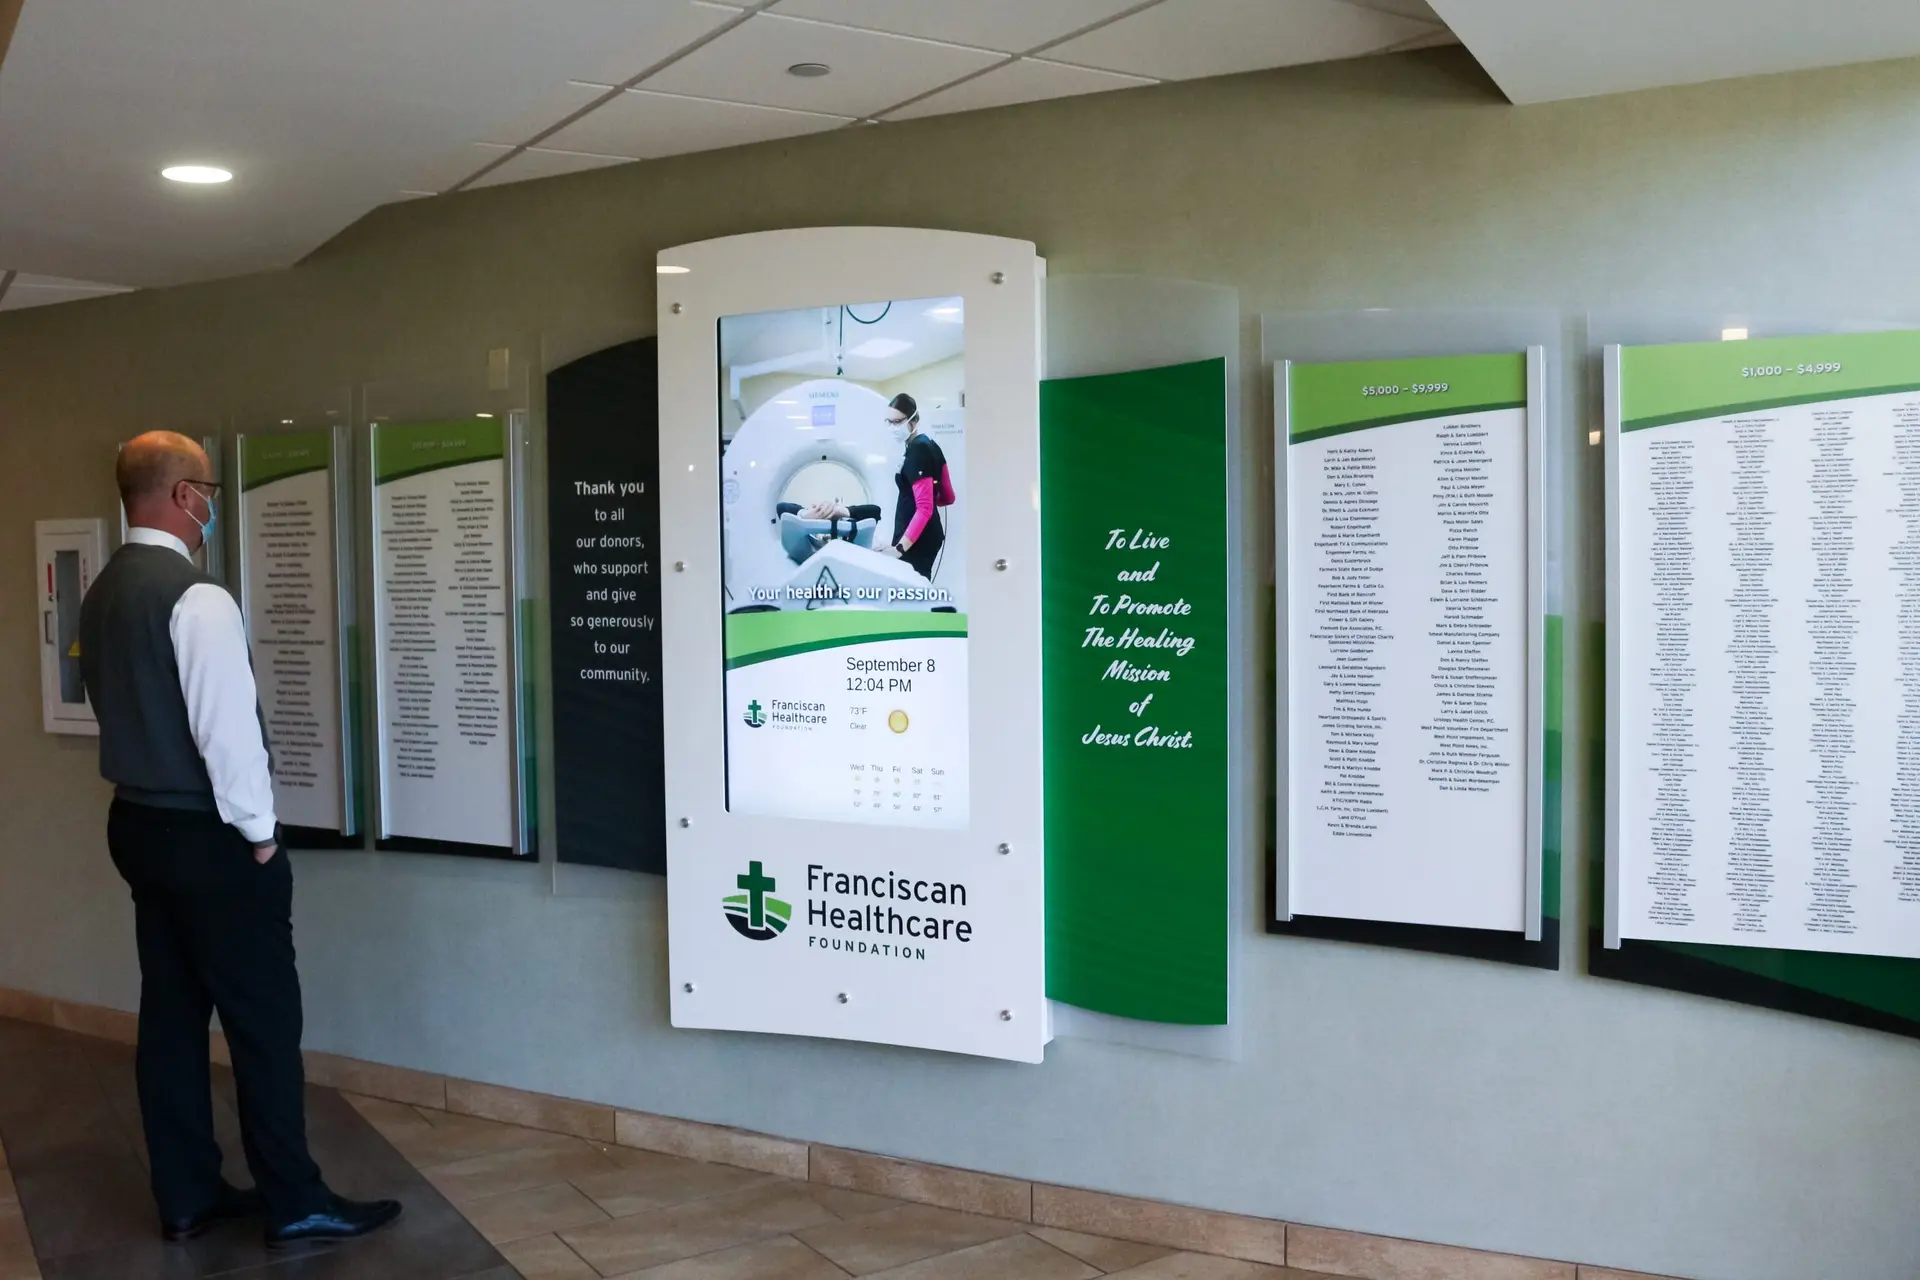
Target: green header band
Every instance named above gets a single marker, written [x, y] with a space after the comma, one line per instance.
[411, 449]
[1691, 381]
[762, 637]
[1329, 399]
[265, 459]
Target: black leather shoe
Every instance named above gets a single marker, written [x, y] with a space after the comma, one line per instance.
[233, 1203]
[342, 1219]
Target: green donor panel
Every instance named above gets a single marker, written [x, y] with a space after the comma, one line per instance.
[1134, 532]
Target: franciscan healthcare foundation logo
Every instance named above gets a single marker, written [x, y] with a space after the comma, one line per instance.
[756, 914]
[756, 715]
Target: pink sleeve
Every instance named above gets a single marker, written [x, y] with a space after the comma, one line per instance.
[922, 509]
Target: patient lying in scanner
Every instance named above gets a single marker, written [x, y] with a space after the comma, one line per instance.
[804, 530]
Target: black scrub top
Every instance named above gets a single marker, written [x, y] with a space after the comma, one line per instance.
[923, 461]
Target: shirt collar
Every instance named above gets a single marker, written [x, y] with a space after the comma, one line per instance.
[157, 538]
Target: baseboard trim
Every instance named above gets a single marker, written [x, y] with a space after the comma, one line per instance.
[1331, 1252]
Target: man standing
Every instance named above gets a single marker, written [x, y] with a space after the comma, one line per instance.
[192, 830]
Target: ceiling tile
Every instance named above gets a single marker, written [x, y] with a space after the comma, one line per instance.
[550, 109]
[1012, 26]
[646, 124]
[456, 166]
[1028, 80]
[1187, 39]
[540, 162]
[661, 29]
[1420, 9]
[871, 72]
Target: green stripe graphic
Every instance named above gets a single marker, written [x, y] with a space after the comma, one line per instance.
[411, 449]
[1690, 381]
[762, 637]
[1331, 399]
[265, 459]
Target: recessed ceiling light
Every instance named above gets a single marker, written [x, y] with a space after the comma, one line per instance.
[809, 70]
[286, 422]
[483, 415]
[665, 270]
[202, 175]
[1733, 335]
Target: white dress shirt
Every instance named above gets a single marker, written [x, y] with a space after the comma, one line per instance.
[216, 678]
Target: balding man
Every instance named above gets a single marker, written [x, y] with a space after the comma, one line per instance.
[192, 830]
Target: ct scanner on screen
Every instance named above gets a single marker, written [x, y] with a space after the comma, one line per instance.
[825, 440]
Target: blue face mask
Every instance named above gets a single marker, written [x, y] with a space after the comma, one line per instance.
[212, 521]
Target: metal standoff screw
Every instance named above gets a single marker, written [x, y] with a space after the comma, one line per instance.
[677, 308]
[842, 997]
[1006, 1015]
[686, 822]
[1000, 564]
[1005, 848]
[998, 277]
[687, 987]
[679, 566]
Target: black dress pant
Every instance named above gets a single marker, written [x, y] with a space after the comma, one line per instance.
[215, 931]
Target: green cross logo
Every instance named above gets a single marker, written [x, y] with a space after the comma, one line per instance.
[756, 914]
[755, 717]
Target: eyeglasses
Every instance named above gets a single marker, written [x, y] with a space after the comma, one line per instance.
[205, 484]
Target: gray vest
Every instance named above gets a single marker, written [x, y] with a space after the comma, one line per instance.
[133, 679]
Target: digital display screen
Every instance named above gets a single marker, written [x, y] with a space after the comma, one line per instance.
[843, 505]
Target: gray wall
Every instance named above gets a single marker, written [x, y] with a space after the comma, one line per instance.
[1447, 1100]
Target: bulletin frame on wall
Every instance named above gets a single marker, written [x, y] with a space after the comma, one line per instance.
[790, 794]
[453, 769]
[293, 500]
[1796, 973]
[1486, 755]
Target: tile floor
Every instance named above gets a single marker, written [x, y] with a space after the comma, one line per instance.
[564, 1208]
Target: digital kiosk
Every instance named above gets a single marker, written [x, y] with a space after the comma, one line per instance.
[850, 597]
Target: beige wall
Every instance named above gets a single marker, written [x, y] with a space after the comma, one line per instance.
[1549, 1114]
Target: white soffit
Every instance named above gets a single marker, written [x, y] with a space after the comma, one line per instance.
[871, 71]
[1188, 39]
[645, 125]
[1010, 26]
[1025, 80]
[1541, 52]
[19, 292]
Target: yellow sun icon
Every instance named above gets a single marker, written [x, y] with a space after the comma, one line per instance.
[897, 721]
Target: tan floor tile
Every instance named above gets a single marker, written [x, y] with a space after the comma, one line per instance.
[1202, 1266]
[17, 1263]
[983, 1193]
[479, 1177]
[896, 1237]
[519, 1215]
[1101, 1251]
[389, 1119]
[1349, 1253]
[659, 1181]
[782, 1258]
[1020, 1257]
[546, 1258]
[1607, 1273]
[451, 1138]
[701, 1226]
[534, 1110]
[717, 1143]
[849, 1204]
[1152, 1222]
